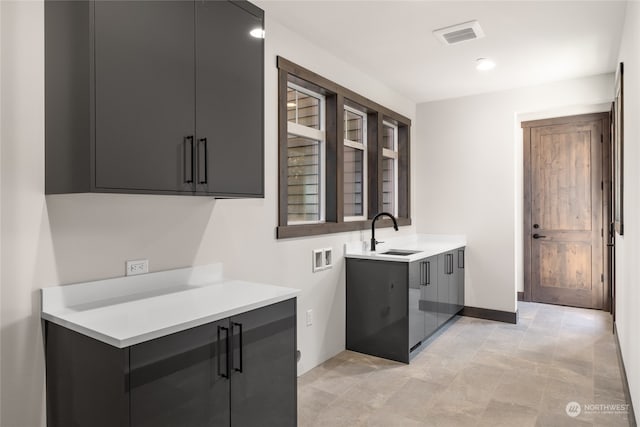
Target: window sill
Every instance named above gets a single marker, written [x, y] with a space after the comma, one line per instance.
[303, 230]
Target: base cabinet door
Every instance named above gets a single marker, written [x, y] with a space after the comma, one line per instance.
[181, 379]
[458, 268]
[417, 278]
[429, 295]
[443, 288]
[263, 367]
[377, 308]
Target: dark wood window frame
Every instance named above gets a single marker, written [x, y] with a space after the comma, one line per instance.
[336, 97]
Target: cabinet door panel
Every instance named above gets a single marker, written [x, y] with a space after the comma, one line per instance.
[429, 296]
[263, 380]
[229, 99]
[417, 278]
[144, 94]
[443, 289]
[175, 380]
[459, 269]
[377, 308]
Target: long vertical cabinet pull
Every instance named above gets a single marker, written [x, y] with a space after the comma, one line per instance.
[423, 274]
[428, 268]
[449, 264]
[239, 325]
[202, 169]
[226, 351]
[460, 258]
[188, 158]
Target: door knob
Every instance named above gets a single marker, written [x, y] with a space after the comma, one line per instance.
[538, 236]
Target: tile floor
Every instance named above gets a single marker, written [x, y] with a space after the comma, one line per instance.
[478, 373]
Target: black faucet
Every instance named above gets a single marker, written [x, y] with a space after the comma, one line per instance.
[373, 228]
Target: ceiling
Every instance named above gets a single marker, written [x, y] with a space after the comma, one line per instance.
[532, 42]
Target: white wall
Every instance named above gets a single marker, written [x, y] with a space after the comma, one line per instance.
[470, 177]
[53, 240]
[628, 246]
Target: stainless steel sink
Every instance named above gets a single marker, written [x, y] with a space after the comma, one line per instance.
[399, 252]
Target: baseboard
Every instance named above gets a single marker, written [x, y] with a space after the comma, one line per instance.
[487, 314]
[520, 296]
[625, 383]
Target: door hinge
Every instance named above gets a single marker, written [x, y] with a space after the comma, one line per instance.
[601, 138]
[601, 185]
[602, 278]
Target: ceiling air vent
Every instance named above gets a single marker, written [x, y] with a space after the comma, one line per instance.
[459, 33]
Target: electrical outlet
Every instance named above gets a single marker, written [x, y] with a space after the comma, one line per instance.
[309, 317]
[140, 266]
[318, 260]
[328, 257]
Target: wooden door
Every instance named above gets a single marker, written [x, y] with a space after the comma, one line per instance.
[564, 226]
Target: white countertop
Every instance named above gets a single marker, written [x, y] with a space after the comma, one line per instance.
[129, 310]
[426, 244]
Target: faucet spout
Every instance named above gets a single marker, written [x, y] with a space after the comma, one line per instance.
[373, 228]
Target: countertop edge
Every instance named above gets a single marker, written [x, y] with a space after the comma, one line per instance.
[376, 256]
[130, 341]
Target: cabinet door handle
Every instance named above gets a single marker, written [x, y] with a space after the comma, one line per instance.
[423, 274]
[188, 158]
[460, 257]
[428, 265]
[449, 264]
[226, 345]
[239, 325]
[203, 171]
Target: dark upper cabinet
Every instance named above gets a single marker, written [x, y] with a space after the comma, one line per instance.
[165, 97]
[144, 94]
[229, 99]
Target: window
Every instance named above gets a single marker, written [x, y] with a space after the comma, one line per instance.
[390, 168]
[355, 168]
[305, 156]
[342, 157]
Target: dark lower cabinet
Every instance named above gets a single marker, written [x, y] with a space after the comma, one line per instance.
[378, 308]
[392, 307]
[450, 285]
[181, 379]
[263, 367]
[429, 295]
[239, 371]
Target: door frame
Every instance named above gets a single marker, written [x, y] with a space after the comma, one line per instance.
[606, 195]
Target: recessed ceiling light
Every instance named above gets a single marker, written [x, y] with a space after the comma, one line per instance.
[257, 33]
[485, 64]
